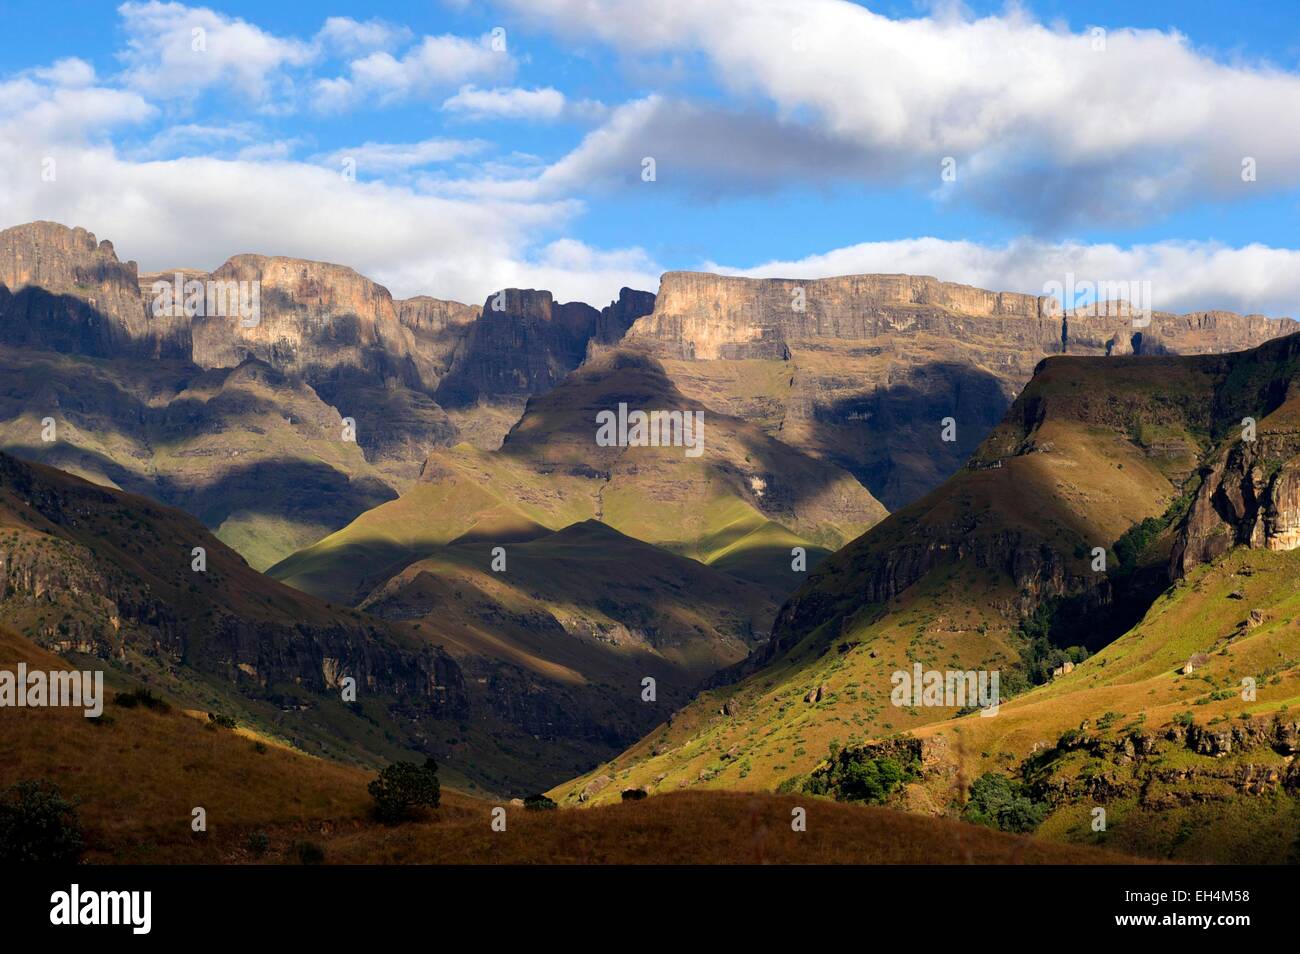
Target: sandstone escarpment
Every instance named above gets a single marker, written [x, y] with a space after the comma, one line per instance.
[1249, 494]
[861, 369]
[523, 343]
[1250, 497]
[438, 326]
[61, 290]
[324, 322]
[703, 316]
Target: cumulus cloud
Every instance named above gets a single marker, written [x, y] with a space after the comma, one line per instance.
[437, 62]
[174, 52]
[353, 37]
[1044, 124]
[373, 157]
[1183, 276]
[701, 148]
[506, 103]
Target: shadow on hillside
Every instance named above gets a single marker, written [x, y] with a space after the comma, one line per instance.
[891, 438]
[41, 320]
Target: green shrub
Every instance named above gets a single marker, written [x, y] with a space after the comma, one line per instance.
[39, 825]
[539, 803]
[851, 775]
[143, 698]
[999, 802]
[403, 790]
[634, 794]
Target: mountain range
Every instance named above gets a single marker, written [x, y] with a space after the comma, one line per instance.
[894, 471]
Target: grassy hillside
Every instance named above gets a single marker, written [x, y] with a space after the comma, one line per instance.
[255, 455]
[743, 504]
[994, 572]
[137, 774]
[948, 580]
[514, 681]
[582, 593]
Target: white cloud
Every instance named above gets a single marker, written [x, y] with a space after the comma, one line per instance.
[70, 71]
[175, 52]
[436, 63]
[506, 103]
[1043, 124]
[701, 148]
[1184, 276]
[351, 37]
[372, 157]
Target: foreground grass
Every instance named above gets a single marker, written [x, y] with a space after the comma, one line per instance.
[139, 773]
[700, 828]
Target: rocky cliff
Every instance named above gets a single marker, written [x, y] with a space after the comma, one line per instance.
[61, 290]
[524, 343]
[324, 322]
[861, 369]
[1249, 491]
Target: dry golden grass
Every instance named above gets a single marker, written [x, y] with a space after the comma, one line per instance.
[138, 777]
[700, 828]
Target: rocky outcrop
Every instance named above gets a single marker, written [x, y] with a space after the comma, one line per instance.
[703, 316]
[523, 343]
[1138, 765]
[61, 290]
[869, 364]
[617, 318]
[324, 322]
[438, 326]
[1248, 498]
[1249, 493]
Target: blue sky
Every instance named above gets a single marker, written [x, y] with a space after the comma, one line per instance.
[502, 143]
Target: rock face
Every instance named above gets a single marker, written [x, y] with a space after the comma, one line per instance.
[620, 315]
[260, 401]
[1249, 493]
[524, 343]
[324, 322]
[862, 369]
[61, 290]
[702, 316]
[438, 326]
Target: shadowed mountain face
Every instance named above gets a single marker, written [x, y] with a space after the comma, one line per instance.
[61, 290]
[95, 571]
[253, 453]
[862, 370]
[274, 430]
[1108, 479]
[741, 505]
[512, 679]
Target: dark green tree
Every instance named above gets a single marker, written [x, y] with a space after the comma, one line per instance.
[37, 824]
[402, 791]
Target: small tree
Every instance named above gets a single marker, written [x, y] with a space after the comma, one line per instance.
[1000, 802]
[403, 790]
[37, 824]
